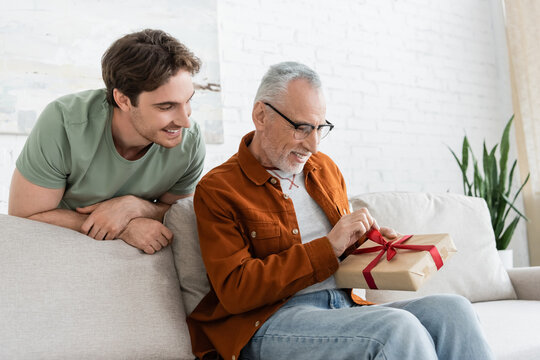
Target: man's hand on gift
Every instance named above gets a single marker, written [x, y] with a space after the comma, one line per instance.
[349, 229]
[389, 233]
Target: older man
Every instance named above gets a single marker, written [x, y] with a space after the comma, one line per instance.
[273, 221]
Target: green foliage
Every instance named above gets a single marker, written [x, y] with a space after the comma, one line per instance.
[493, 184]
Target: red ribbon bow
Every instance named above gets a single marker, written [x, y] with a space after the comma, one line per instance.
[389, 247]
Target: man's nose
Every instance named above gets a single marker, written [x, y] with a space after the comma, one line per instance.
[311, 142]
[181, 118]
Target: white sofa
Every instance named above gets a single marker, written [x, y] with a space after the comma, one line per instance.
[66, 296]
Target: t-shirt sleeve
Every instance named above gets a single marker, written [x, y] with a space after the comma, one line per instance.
[45, 157]
[187, 183]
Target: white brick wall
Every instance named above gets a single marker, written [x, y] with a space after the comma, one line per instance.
[403, 80]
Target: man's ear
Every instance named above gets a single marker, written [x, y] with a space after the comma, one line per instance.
[259, 115]
[122, 100]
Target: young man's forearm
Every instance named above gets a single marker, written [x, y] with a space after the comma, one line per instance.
[156, 210]
[158, 213]
[74, 220]
[62, 217]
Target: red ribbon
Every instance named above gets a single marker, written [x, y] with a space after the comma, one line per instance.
[389, 247]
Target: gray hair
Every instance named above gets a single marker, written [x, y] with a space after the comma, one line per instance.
[274, 83]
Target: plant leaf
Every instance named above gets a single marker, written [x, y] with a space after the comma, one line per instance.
[486, 186]
[465, 154]
[463, 170]
[514, 199]
[521, 187]
[498, 229]
[504, 240]
[511, 205]
[505, 147]
[511, 178]
[479, 185]
[494, 181]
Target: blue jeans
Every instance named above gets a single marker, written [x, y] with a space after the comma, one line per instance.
[328, 325]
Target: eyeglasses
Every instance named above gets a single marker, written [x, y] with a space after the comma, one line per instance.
[302, 131]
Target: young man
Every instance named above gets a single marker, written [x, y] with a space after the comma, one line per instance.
[110, 162]
[273, 221]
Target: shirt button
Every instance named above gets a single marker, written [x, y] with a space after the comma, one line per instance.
[273, 181]
[295, 231]
[285, 196]
[253, 234]
[257, 323]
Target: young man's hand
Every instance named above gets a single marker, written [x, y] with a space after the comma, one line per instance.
[107, 219]
[146, 234]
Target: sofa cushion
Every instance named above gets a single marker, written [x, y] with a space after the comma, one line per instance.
[65, 295]
[511, 328]
[181, 220]
[475, 272]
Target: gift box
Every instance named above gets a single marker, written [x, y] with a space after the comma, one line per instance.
[400, 264]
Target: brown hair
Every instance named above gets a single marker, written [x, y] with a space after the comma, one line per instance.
[143, 61]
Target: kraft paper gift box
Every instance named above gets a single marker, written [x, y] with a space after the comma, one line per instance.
[407, 269]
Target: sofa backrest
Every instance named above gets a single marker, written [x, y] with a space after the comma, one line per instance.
[65, 295]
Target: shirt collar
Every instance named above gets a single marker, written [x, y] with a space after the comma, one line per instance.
[254, 170]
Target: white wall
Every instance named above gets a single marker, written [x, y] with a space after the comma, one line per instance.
[403, 80]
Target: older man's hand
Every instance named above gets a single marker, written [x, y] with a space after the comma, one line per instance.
[389, 233]
[349, 229]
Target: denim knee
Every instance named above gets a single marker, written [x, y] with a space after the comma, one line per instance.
[402, 323]
[443, 300]
[453, 325]
[406, 337]
[453, 306]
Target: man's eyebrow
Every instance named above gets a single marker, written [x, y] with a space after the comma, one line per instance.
[172, 102]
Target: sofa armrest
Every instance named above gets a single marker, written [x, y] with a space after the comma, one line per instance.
[526, 282]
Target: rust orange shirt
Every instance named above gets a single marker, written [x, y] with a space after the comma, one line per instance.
[251, 247]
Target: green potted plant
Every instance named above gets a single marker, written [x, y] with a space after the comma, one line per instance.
[492, 182]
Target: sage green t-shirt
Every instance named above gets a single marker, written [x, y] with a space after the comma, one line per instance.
[71, 147]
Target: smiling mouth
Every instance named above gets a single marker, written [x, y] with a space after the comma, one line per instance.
[174, 131]
[300, 156]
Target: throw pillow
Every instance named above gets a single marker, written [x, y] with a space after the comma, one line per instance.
[181, 220]
[475, 271]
